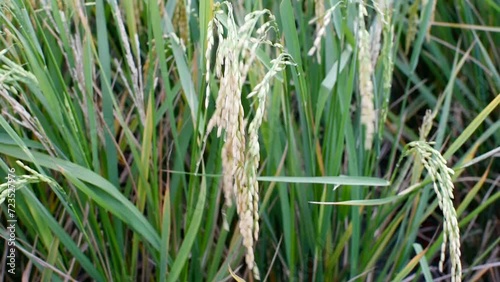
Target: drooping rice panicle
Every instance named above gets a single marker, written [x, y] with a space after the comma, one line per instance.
[235, 55]
[443, 186]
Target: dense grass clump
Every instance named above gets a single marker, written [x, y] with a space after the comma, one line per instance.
[276, 140]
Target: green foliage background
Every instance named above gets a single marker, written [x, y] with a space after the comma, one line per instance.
[113, 125]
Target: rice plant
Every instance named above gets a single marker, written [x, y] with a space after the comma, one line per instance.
[285, 140]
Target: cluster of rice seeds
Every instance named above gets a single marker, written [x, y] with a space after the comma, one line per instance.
[20, 181]
[181, 22]
[368, 116]
[426, 127]
[240, 158]
[322, 21]
[387, 61]
[135, 73]
[441, 174]
[319, 12]
[11, 75]
[253, 151]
